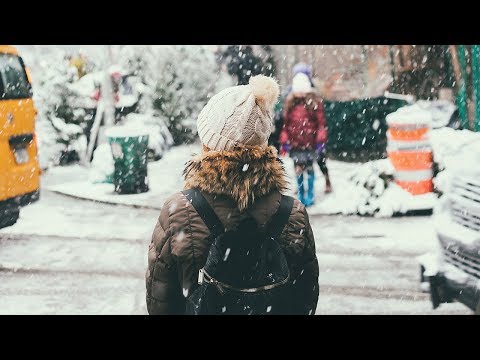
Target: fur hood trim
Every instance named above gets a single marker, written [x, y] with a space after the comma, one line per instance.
[244, 173]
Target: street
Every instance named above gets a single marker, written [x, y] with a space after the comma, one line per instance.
[70, 256]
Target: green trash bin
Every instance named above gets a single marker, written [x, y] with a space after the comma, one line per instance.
[129, 150]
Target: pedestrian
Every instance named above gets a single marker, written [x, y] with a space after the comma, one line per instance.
[233, 189]
[278, 111]
[321, 159]
[304, 136]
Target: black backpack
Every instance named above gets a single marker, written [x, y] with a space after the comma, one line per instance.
[246, 272]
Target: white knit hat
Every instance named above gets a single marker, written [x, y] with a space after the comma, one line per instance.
[239, 115]
[301, 84]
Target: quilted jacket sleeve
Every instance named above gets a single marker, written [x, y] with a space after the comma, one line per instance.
[301, 253]
[308, 288]
[164, 294]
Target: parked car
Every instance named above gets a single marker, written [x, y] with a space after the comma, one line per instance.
[452, 272]
[19, 167]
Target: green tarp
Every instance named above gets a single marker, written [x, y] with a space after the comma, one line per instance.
[357, 128]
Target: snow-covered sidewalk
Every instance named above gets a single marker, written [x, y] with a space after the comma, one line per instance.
[364, 189]
[358, 189]
[165, 177]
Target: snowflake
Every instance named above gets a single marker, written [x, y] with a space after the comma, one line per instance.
[226, 254]
[180, 236]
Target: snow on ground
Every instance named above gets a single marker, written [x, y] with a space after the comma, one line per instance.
[69, 294]
[404, 304]
[360, 189]
[165, 178]
[123, 257]
[370, 265]
[374, 236]
[368, 189]
[52, 215]
[69, 256]
[364, 189]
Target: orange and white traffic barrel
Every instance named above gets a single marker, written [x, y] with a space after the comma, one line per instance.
[410, 155]
[409, 149]
[416, 182]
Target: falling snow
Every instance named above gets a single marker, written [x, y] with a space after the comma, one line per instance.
[180, 236]
[227, 252]
[42, 259]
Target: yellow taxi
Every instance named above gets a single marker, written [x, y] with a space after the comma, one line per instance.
[19, 166]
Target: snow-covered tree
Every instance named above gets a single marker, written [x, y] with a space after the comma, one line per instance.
[178, 79]
[242, 61]
[60, 126]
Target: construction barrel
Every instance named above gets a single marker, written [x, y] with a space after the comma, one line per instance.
[409, 149]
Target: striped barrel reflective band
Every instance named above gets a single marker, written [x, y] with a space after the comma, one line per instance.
[408, 146]
[413, 175]
[408, 126]
[398, 145]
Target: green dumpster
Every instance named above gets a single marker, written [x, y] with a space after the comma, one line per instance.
[129, 149]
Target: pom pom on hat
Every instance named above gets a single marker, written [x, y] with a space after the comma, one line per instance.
[265, 89]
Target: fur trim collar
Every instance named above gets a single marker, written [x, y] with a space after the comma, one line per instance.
[244, 173]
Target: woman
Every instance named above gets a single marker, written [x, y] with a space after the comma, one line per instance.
[274, 139]
[240, 177]
[304, 135]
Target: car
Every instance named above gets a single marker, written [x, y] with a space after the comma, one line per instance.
[19, 166]
[452, 272]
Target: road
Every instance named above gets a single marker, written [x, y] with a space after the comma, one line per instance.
[69, 256]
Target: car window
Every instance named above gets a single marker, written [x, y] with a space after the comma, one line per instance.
[13, 78]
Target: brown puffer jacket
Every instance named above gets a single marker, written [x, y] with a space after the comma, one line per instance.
[235, 183]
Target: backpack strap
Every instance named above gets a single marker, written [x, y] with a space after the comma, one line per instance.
[205, 211]
[280, 219]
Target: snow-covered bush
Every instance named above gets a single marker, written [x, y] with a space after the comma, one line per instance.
[102, 165]
[371, 181]
[174, 81]
[242, 62]
[369, 190]
[59, 125]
